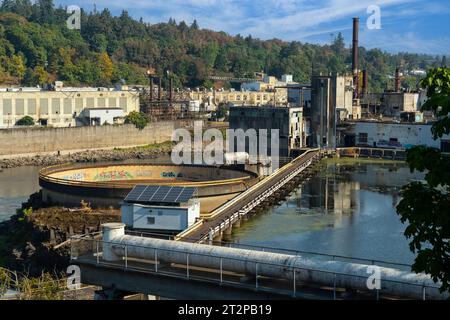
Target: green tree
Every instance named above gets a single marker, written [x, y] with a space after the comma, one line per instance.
[425, 206]
[139, 119]
[25, 121]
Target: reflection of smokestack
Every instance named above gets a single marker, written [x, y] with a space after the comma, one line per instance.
[170, 90]
[397, 80]
[365, 84]
[355, 66]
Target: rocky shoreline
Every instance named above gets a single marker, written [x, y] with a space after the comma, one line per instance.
[144, 152]
[36, 240]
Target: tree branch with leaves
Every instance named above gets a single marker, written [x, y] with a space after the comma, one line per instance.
[425, 206]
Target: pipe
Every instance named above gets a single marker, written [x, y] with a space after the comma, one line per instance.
[251, 262]
[355, 56]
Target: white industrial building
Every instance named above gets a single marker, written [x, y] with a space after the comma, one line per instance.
[63, 106]
[160, 208]
[101, 116]
[397, 135]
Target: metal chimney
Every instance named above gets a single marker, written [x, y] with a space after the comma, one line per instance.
[355, 58]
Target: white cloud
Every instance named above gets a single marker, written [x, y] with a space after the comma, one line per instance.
[304, 20]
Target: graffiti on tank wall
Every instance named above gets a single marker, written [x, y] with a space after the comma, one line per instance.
[113, 175]
[78, 176]
[171, 175]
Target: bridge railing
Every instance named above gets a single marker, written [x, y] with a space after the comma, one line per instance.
[263, 277]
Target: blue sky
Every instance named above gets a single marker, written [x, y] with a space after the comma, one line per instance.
[421, 26]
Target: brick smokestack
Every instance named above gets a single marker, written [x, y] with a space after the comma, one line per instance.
[355, 57]
[365, 84]
[397, 80]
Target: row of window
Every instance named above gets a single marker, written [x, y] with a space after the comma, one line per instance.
[56, 107]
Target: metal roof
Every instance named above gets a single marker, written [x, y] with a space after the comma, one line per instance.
[160, 194]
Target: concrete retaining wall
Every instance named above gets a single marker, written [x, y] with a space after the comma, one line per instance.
[43, 140]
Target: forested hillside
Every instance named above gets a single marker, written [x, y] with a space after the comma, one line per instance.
[36, 47]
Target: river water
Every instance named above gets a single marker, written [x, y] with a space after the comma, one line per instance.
[17, 184]
[347, 209]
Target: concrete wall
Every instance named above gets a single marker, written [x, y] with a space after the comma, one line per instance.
[42, 140]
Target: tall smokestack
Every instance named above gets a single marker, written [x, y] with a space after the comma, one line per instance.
[397, 80]
[355, 52]
[365, 84]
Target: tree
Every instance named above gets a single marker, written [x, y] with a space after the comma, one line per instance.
[106, 67]
[25, 121]
[194, 25]
[426, 205]
[139, 119]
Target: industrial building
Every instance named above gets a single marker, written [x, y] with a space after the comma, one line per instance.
[395, 135]
[288, 120]
[160, 208]
[268, 90]
[66, 107]
[331, 101]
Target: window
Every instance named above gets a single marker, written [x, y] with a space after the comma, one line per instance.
[20, 107]
[67, 106]
[32, 106]
[78, 104]
[56, 106]
[7, 106]
[90, 102]
[43, 106]
[150, 220]
[160, 213]
[101, 102]
[363, 137]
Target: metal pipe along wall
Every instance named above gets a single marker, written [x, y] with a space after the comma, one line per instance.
[347, 275]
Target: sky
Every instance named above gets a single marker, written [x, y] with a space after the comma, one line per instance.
[419, 26]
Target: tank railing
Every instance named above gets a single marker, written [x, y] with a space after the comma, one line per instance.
[97, 253]
[238, 245]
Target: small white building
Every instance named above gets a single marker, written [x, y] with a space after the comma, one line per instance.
[160, 208]
[101, 116]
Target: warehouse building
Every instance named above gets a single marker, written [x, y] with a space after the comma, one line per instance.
[64, 107]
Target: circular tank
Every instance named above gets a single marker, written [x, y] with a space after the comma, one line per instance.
[107, 185]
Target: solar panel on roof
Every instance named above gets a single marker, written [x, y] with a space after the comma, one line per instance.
[164, 194]
[135, 193]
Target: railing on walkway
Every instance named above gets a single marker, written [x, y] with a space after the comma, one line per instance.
[87, 249]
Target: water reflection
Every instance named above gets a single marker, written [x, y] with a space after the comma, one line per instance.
[346, 209]
[16, 185]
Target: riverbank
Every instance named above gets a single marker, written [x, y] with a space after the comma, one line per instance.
[35, 239]
[103, 155]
